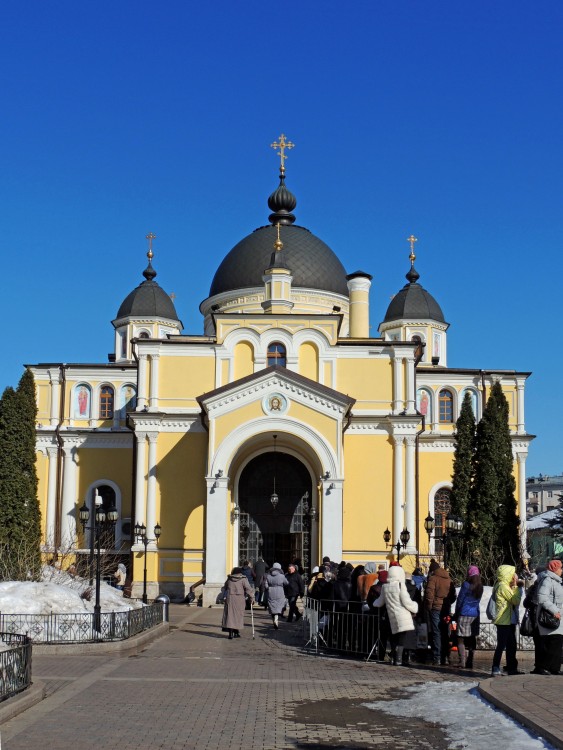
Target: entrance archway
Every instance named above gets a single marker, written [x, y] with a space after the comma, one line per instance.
[282, 533]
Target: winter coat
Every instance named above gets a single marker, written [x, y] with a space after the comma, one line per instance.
[249, 573]
[275, 582]
[550, 598]
[395, 597]
[467, 605]
[322, 591]
[365, 583]
[507, 598]
[260, 569]
[342, 590]
[237, 589]
[295, 585]
[419, 581]
[440, 592]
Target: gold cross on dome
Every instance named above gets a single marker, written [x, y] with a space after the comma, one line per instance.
[150, 237]
[412, 239]
[282, 144]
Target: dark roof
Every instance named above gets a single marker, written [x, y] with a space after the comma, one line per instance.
[148, 300]
[312, 263]
[413, 302]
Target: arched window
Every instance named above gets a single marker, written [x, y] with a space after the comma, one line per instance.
[106, 402]
[277, 355]
[445, 406]
[474, 400]
[442, 506]
[144, 335]
[419, 351]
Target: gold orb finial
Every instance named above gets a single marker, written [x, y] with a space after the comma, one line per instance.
[412, 257]
[282, 144]
[278, 244]
[150, 237]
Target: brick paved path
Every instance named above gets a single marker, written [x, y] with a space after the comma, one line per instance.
[195, 688]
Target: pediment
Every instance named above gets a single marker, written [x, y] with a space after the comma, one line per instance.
[275, 387]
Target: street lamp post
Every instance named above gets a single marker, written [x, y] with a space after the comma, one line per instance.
[400, 544]
[454, 526]
[140, 532]
[100, 517]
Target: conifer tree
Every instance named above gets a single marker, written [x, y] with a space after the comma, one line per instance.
[493, 521]
[464, 455]
[19, 508]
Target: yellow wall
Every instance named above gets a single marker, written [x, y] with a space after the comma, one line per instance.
[309, 361]
[96, 464]
[358, 377]
[42, 467]
[182, 379]
[244, 359]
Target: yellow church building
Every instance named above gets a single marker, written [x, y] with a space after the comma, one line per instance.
[282, 430]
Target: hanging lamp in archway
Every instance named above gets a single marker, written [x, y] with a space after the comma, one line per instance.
[274, 499]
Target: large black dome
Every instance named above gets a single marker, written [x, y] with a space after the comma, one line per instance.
[312, 263]
[413, 302]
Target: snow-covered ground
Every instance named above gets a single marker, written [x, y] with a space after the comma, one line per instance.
[59, 593]
[469, 722]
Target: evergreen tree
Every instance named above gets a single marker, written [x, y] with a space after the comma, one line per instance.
[464, 455]
[493, 522]
[19, 508]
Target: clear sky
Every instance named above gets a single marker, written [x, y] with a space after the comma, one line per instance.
[437, 118]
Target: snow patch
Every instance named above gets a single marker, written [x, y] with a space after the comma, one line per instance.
[469, 722]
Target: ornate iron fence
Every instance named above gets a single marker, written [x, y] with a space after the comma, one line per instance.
[15, 664]
[79, 628]
[330, 626]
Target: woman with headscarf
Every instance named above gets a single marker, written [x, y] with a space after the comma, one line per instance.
[550, 598]
[274, 583]
[236, 590]
[377, 629]
[400, 610]
[467, 615]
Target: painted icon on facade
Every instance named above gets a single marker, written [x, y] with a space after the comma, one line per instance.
[82, 401]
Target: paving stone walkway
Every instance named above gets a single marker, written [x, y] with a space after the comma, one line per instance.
[196, 689]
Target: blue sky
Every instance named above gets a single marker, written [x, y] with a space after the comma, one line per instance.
[438, 118]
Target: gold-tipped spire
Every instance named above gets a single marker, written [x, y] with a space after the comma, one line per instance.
[150, 237]
[412, 257]
[278, 244]
[282, 144]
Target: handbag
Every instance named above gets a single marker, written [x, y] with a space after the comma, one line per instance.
[527, 625]
[492, 606]
[547, 620]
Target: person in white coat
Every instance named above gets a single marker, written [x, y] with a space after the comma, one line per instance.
[400, 610]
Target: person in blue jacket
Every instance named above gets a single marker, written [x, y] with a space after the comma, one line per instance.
[467, 616]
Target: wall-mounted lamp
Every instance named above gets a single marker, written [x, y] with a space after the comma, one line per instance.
[235, 514]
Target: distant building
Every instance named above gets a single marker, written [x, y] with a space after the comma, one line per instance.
[543, 493]
[544, 543]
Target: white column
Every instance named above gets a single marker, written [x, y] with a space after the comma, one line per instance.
[142, 383]
[398, 488]
[411, 396]
[216, 520]
[51, 516]
[521, 459]
[54, 377]
[397, 383]
[331, 518]
[68, 509]
[140, 474]
[153, 397]
[151, 488]
[520, 407]
[410, 513]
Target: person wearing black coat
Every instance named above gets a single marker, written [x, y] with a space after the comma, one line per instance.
[293, 590]
[342, 591]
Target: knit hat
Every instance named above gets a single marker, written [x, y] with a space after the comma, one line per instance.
[555, 566]
[473, 570]
[383, 576]
[276, 566]
[433, 566]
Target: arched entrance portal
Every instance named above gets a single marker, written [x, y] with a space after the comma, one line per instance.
[281, 533]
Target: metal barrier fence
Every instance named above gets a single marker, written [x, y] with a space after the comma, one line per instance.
[332, 626]
[15, 664]
[79, 628]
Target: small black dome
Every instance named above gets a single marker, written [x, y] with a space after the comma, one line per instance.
[413, 302]
[312, 263]
[148, 300]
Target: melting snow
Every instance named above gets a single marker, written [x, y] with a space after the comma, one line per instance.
[469, 722]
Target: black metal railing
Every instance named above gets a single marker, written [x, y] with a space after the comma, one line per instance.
[79, 628]
[343, 627]
[15, 664]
